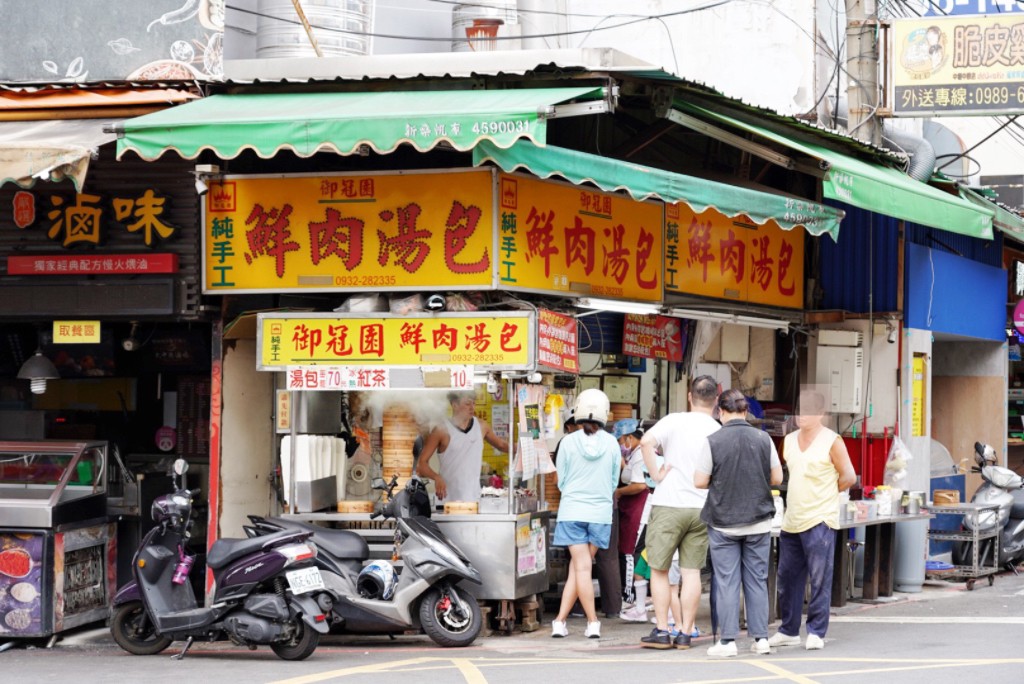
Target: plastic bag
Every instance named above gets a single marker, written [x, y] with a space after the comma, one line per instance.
[896, 465]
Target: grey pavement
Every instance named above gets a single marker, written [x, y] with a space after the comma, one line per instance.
[942, 634]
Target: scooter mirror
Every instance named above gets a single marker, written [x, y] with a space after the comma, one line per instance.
[379, 483]
[180, 466]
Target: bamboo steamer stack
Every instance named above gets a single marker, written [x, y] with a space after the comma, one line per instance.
[398, 434]
[621, 411]
[552, 495]
[355, 507]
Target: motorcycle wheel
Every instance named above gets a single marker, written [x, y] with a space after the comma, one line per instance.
[125, 628]
[301, 646]
[443, 626]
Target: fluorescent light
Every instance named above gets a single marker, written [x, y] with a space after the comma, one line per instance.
[618, 306]
[734, 319]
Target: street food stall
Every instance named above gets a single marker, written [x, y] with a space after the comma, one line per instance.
[396, 371]
[57, 548]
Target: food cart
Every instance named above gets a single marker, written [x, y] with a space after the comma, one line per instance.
[410, 355]
[57, 548]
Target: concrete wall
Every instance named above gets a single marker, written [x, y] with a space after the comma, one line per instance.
[247, 439]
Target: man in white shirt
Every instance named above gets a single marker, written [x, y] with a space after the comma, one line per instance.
[675, 522]
[459, 444]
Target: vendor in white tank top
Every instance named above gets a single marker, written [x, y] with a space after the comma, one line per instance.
[459, 444]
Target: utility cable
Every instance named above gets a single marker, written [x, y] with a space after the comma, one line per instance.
[448, 39]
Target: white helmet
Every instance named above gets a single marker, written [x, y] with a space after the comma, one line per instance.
[592, 405]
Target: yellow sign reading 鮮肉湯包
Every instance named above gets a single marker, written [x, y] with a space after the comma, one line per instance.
[502, 341]
[712, 255]
[559, 238]
[365, 232]
[956, 65]
[76, 332]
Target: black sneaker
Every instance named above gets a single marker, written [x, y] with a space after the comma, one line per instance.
[657, 639]
[681, 641]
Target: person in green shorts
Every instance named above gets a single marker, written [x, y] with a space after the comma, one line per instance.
[675, 525]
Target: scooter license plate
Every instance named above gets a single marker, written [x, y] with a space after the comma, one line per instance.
[305, 580]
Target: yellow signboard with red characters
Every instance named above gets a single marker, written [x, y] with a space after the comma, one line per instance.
[559, 238]
[387, 231]
[498, 341]
[712, 255]
[76, 332]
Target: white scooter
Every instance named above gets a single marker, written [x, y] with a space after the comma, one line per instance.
[1002, 487]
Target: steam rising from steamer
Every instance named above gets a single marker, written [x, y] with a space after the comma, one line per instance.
[429, 408]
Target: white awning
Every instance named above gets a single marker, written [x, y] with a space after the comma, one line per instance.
[49, 150]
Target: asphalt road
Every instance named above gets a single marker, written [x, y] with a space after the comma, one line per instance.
[943, 634]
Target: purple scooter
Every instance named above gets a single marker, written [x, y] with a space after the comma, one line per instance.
[268, 589]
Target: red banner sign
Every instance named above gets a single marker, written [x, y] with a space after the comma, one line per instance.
[557, 340]
[652, 337]
[92, 264]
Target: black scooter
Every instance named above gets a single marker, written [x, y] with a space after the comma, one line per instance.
[269, 592]
[425, 596]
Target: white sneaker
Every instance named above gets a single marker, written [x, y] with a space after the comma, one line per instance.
[634, 615]
[761, 647]
[814, 643]
[558, 629]
[593, 630]
[780, 639]
[723, 650]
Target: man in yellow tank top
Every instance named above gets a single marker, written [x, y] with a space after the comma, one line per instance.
[819, 468]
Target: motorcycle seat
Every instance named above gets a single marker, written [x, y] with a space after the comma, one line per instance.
[226, 550]
[341, 544]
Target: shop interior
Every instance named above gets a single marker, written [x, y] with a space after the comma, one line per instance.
[144, 388]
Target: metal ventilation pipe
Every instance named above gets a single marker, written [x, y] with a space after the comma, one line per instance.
[922, 154]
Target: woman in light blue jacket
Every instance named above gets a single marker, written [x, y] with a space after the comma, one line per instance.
[588, 465]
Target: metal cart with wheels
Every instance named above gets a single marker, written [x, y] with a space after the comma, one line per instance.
[971, 534]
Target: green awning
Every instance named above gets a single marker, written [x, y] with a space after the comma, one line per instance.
[342, 122]
[876, 188]
[644, 182]
[1004, 220]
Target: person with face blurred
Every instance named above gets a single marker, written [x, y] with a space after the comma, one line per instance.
[630, 495]
[819, 468]
[459, 444]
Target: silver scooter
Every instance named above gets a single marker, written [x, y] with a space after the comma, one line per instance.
[1003, 487]
[426, 596]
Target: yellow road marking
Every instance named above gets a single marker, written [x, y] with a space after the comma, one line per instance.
[359, 669]
[470, 671]
[780, 671]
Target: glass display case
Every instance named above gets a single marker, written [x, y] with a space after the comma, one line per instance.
[58, 549]
[49, 483]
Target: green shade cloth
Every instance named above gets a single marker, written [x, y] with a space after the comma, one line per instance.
[307, 123]
[876, 188]
[644, 182]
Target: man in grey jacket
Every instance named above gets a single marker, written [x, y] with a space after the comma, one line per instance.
[737, 466]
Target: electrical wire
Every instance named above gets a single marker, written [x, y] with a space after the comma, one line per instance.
[980, 142]
[448, 39]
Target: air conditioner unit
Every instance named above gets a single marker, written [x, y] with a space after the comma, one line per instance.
[840, 338]
[841, 370]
